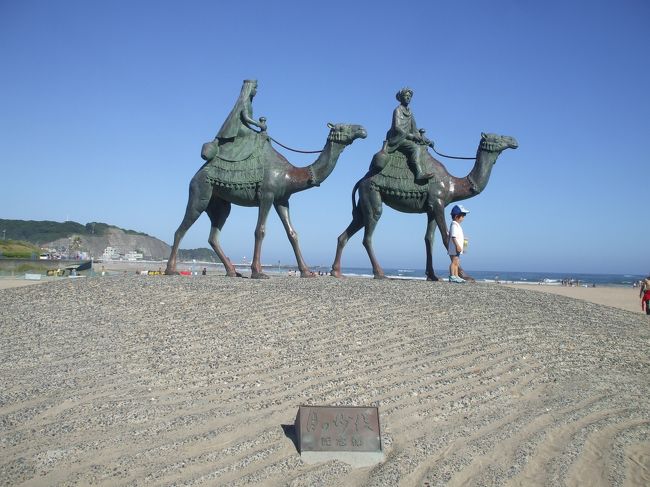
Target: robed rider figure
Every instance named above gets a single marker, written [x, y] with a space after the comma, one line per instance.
[237, 135]
[405, 137]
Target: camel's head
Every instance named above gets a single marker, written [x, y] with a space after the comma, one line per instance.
[497, 143]
[345, 134]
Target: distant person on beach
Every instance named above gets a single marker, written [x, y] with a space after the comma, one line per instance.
[645, 302]
[645, 286]
[456, 241]
[204, 271]
[645, 295]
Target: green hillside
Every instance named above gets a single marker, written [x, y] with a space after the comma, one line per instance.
[14, 249]
[203, 255]
[39, 232]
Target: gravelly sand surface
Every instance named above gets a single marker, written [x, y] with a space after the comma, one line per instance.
[626, 298]
[189, 381]
[6, 283]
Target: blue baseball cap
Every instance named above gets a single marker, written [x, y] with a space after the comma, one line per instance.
[459, 210]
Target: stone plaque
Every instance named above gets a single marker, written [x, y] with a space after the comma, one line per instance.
[342, 431]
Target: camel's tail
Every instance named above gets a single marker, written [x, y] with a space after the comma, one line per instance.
[356, 188]
[354, 200]
[355, 206]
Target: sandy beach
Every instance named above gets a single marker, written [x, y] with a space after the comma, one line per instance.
[9, 282]
[626, 298]
[160, 380]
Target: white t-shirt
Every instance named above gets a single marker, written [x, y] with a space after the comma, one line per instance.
[455, 230]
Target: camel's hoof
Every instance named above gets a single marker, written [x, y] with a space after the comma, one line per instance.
[380, 276]
[462, 275]
[432, 278]
[336, 274]
[169, 272]
[308, 274]
[259, 275]
[233, 274]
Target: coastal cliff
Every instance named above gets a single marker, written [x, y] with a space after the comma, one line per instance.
[151, 247]
[92, 238]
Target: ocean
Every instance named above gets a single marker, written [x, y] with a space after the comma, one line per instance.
[550, 278]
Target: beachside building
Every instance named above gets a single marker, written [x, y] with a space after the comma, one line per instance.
[111, 253]
[133, 255]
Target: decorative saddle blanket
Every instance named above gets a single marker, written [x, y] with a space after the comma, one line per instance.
[245, 173]
[397, 178]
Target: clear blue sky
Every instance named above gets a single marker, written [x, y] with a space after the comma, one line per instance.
[104, 107]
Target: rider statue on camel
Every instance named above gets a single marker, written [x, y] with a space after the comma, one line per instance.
[404, 136]
[237, 137]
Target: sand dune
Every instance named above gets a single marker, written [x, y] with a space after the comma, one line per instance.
[195, 381]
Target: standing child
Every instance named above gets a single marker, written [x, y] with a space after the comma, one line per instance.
[456, 241]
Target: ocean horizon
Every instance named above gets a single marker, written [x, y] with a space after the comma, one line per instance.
[515, 277]
[510, 277]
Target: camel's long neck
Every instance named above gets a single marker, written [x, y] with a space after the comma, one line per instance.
[478, 178]
[324, 165]
[316, 173]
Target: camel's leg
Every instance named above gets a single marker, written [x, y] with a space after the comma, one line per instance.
[444, 231]
[462, 274]
[282, 208]
[197, 203]
[372, 208]
[439, 214]
[429, 236]
[218, 211]
[355, 225]
[260, 230]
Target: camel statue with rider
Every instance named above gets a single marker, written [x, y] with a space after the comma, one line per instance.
[404, 176]
[243, 168]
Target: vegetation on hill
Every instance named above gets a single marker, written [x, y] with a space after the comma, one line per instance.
[39, 232]
[202, 254]
[14, 249]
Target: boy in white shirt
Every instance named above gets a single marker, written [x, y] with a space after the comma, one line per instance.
[456, 241]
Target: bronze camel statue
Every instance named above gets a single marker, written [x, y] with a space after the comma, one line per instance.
[395, 186]
[277, 180]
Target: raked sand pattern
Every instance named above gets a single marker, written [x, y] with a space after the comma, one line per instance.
[195, 381]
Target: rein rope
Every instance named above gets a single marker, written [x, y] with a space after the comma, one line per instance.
[295, 150]
[319, 151]
[486, 146]
[453, 157]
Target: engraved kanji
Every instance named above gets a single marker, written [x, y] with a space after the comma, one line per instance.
[341, 422]
[366, 421]
[312, 421]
